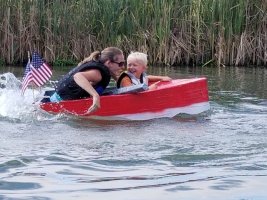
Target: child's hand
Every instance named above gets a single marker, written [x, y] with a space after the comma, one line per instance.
[166, 78]
[154, 86]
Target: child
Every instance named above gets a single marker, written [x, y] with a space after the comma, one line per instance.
[135, 74]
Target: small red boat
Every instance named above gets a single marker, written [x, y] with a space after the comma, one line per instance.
[189, 96]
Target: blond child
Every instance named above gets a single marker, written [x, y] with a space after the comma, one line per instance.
[136, 72]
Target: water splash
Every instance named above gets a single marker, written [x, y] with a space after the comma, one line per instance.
[9, 81]
[13, 105]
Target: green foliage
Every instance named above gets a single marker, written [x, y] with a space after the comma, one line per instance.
[2, 62]
[170, 31]
[64, 62]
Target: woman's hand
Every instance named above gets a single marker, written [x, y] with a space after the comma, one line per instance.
[86, 80]
[95, 106]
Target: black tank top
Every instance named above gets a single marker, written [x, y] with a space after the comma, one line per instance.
[68, 89]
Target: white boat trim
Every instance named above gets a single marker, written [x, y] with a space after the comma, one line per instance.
[167, 113]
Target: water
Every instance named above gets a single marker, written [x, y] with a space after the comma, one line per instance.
[221, 154]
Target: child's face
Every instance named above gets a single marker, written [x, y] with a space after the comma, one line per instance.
[135, 67]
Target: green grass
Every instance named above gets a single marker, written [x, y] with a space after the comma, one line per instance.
[184, 32]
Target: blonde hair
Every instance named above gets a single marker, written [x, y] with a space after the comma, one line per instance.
[139, 56]
[109, 53]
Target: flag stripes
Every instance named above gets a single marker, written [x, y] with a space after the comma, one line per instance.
[36, 71]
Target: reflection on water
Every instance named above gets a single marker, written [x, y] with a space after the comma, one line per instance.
[219, 154]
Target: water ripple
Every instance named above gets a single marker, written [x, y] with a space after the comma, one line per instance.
[11, 164]
[5, 185]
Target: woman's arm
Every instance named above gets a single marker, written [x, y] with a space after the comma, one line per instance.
[85, 80]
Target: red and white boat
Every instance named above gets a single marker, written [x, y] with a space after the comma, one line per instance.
[189, 96]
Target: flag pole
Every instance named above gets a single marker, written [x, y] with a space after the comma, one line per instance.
[29, 60]
[25, 76]
[29, 56]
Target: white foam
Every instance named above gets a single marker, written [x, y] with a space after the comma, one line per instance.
[12, 103]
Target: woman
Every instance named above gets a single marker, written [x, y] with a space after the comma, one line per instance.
[90, 77]
[136, 72]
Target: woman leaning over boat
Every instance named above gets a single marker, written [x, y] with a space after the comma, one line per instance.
[90, 77]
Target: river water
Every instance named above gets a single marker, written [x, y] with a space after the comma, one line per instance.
[220, 154]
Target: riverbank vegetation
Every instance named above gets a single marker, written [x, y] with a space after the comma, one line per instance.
[184, 32]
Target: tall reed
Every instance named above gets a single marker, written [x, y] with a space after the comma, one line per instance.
[184, 32]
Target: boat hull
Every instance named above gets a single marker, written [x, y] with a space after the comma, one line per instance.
[189, 96]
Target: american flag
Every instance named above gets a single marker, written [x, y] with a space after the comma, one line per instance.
[37, 71]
